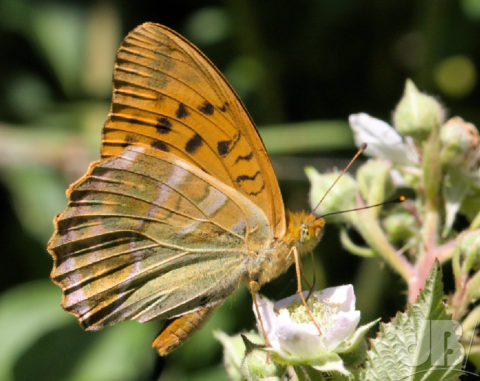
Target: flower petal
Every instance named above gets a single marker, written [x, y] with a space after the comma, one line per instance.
[300, 340]
[297, 341]
[383, 141]
[343, 296]
[343, 327]
[269, 320]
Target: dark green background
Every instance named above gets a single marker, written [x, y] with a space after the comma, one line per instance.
[300, 66]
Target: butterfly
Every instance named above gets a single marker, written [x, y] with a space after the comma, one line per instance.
[183, 206]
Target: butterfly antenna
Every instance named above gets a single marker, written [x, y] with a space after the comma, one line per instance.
[359, 152]
[393, 201]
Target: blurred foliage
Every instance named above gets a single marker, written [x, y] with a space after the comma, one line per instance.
[300, 67]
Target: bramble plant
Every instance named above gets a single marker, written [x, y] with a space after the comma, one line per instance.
[436, 162]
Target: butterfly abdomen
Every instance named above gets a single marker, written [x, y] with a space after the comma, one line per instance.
[178, 330]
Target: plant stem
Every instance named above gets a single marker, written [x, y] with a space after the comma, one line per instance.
[372, 233]
[427, 254]
[432, 177]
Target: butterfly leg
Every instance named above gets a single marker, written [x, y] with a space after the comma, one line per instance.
[299, 287]
[311, 287]
[253, 285]
[300, 270]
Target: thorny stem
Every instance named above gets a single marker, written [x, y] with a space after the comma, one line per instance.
[432, 174]
[428, 253]
[446, 251]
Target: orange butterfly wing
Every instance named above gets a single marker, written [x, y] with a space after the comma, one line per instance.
[168, 96]
[148, 236]
[171, 102]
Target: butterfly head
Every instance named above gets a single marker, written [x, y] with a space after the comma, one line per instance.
[305, 229]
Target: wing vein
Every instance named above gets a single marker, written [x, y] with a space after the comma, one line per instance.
[183, 195]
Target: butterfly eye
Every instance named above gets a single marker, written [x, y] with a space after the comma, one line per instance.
[304, 232]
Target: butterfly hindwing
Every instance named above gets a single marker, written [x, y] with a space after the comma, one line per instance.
[168, 96]
[148, 235]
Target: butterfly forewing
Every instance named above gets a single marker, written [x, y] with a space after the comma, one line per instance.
[168, 96]
[148, 235]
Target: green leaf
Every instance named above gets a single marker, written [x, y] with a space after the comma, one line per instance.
[122, 352]
[38, 194]
[419, 344]
[35, 333]
[59, 30]
[27, 312]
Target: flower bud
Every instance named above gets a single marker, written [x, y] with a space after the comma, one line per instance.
[256, 367]
[341, 197]
[399, 226]
[374, 181]
[460, 144]
[233, 354]
[417, 113]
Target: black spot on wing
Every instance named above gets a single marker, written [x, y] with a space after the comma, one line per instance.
[157, 144]
[244, 157]
[194, 144]
[77, 195]
[224, 107]
[259, 190]
[163, 126]
[242, 178]
[223, 147]
[181, 111]
[206, 108]
[226, 146]
[129, 139]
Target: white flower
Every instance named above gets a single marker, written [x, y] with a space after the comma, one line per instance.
[293, 337]
[383, 140]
